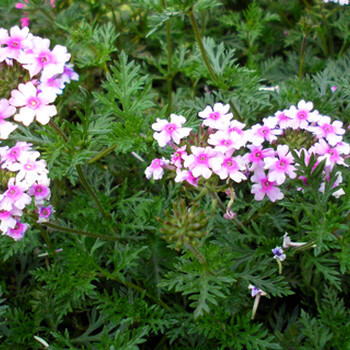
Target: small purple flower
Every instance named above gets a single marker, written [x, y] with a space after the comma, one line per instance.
[278, 254]
[45, 213]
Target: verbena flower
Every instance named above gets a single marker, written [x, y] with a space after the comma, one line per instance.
[32, 104]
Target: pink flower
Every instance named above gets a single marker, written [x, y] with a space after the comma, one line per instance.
[18, 231]
[330, 131]
[231, 167]
[257, 155]
[331, 154]
[264, 186]
[172, 131]
[17, 41]
[42, 58]
[32, 104]
[281, 166]
[201, 160]
[301, 116]
[282, 119]
[185, 175]
[216, 117]
[178, 156]
[12, 155]
[45, 213]
[14, 196]
[40, 192]
[259, 133]
[156, 170]
[51, 86]
[6, 111]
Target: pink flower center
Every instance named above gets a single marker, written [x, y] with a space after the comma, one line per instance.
[28, 166]
[170, 128]
[263, 131]
[202, 158]
[33, 103]
[214, 115]
[302, 115]
[327, 128]
[43, 59]
[14, 44]
[226, 142]
[38, 189]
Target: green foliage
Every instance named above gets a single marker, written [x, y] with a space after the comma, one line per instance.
[126, 263]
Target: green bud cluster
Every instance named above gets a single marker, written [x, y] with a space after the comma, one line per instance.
[5, 176]
[184, 225]
[10, 77]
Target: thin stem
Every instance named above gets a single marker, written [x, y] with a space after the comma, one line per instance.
[80, 232]
[199, 257]
[329, 33]
[135, 287]
[169, 54]
[205, 57]
[302, 54]
[102, 154]
[201, 45]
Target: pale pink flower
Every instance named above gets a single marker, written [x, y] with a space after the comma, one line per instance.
[257, 155]
[12, 155]
[333, 88]
[223, 141]
[7, 218]
[52, 62]
[14, 196]
[330, 131]
[156, 170]
[201, 160]
[185, 175]
[52, 86]
[32, 104]
[332, 154]
[259, 133]
[216, 117]
[282, 119]
[6, 111]
[17, 41]
[264, 186]
[178, 156]
[281, 166]
[170, 131]
[231, 167]
[302, 116]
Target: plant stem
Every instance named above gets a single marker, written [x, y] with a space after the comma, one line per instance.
[170, 54]
[80, 232]
[102, 154]
[302, 54]
[205, 57]
[199, 257]
[201, 45]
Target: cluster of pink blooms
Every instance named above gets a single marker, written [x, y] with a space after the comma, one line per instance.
[23, 5]
[29, 184]
[340, 2]
[49, 72]
[233, 153]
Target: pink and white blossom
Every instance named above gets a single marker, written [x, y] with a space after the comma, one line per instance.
[281, 166]
[216, 117]
[156, 170]
[32, 104]
[202, 160]
[231, 167]
[302, 115]
[170, 131]
[264, 187]
[6, 111]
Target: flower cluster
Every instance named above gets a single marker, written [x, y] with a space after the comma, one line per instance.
[27, 183]
[224, 148]
[48, 70]
[340, 2]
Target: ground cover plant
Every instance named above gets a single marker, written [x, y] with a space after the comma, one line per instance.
[174, 174]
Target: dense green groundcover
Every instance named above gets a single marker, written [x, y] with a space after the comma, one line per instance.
[131, 263]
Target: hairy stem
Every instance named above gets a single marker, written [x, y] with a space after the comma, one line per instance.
[302, 54]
